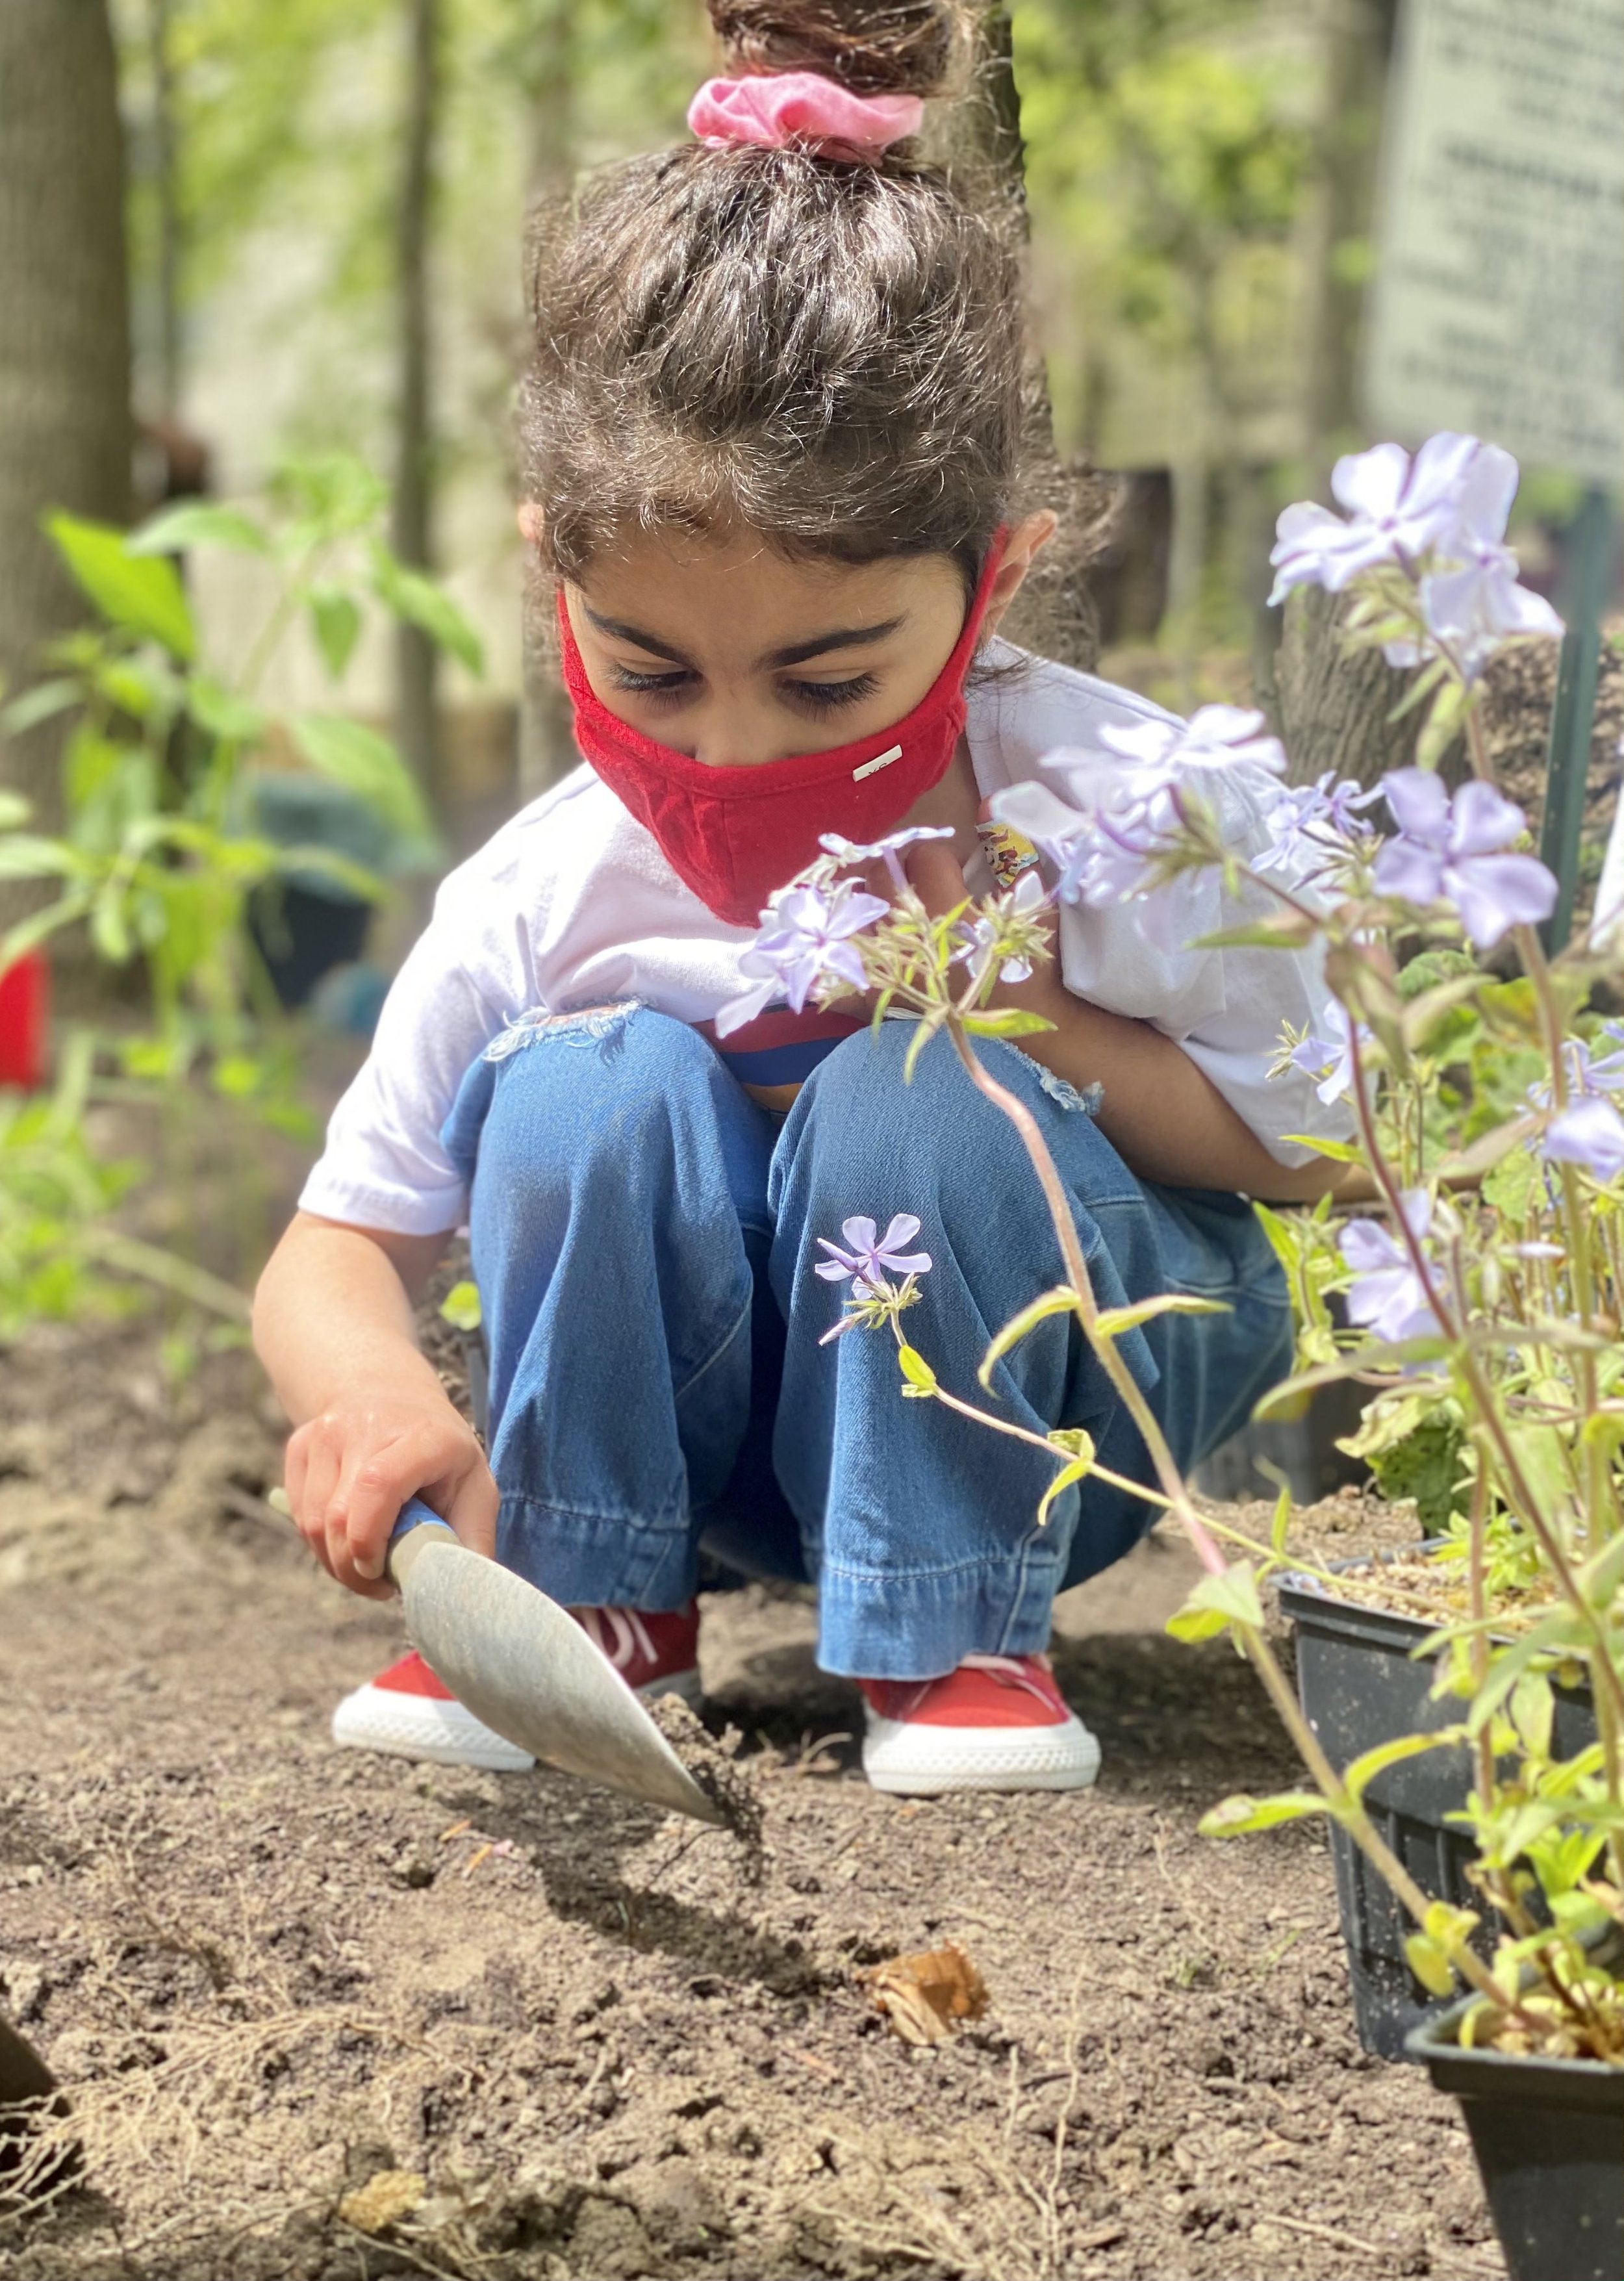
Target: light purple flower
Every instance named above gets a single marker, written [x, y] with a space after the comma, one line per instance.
[888, 850]
[1399, 510]
[979, 935]
[1591, 1135]
[1214, 737]
[807, 935]
[1388, 1296]
[1470, 607]
[872, 1258]
[1316, 821]
[851, 850]
[1330, 1058]
[1589, 1078]
[1451, 851]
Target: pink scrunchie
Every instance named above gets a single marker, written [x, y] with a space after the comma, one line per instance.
[783, 107]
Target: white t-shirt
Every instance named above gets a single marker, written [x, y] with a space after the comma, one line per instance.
[573, 905]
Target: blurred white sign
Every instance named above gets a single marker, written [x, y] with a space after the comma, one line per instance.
[1498, 297]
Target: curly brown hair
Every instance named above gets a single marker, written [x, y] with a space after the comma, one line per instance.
[828, 352]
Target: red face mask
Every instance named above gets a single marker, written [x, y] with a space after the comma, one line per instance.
[735, 835]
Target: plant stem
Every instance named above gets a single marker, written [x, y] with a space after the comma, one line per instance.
[1347, 1809]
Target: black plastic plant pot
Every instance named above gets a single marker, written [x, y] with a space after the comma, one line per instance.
[1548, 2138]
[1360, 1686]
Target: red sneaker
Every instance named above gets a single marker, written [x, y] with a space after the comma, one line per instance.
[998, 1722]
[408, 1712]
[655, 1651]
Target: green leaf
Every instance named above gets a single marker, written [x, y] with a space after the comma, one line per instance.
[220, 715]
[923, 1031]
[43, 702]
[237, 1076]
[1281, 1528]
[27, 855]
[336, 621]
[461, 1307]
[195, 522]
[419, 600]
[1217, 1602]
[367, 765]
[921, 1377]
[1060, 1300]
[1430, 1964]
[1006, 1021]
[1113, 1321]
[1238, 1816]
[141, 595]
[14, 810]
[1287, 930]
[1424, 1016]
[1369, 1764]
[1077, 1470]
[1340, 1152]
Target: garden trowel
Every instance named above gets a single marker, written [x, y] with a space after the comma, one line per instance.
[524, 1666]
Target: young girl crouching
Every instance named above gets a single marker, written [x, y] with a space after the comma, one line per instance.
[771, 434]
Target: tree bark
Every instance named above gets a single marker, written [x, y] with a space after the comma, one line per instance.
[65, 343]
[1333, 709]
[416, 659]
[547, 732]
[1355, 41]
[984, 150]
[165, 189]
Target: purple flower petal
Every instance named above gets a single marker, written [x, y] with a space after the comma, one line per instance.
[1591, 1135]
[1494, 894]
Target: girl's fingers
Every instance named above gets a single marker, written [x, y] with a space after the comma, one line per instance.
[376, 1484]
[937, 877]
[472, 1510]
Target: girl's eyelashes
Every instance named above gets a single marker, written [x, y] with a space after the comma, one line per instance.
[806, 696]
[651, 685]
[829, 695]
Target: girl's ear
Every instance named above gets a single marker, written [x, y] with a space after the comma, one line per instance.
[529, 521]
[1025, 542]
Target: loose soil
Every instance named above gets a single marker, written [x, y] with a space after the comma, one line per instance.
[327, 2017]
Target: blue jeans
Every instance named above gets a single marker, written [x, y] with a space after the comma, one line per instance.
[644, 1237]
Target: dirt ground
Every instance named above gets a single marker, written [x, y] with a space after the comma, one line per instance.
[268, 1971]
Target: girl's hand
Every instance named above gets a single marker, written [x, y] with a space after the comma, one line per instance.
[351, 1468]
[937, 877]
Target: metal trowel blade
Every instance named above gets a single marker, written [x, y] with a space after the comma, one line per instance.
[524, 1666]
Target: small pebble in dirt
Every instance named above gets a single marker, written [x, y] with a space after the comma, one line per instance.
[714, 1765]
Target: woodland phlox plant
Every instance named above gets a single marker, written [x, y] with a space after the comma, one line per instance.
[1480, 1282]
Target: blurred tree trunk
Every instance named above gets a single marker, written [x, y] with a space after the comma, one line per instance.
[546, 733]
[979, 140]
[1355, 44]
[166, 189]
[416, 660]
[65, 348]
[1333, 709]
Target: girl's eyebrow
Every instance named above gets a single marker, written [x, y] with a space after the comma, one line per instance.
[793, 654]
[842, 638]
[636, 636]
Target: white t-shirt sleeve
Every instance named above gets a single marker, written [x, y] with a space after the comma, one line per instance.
[383, 1165]
[1228, 1008]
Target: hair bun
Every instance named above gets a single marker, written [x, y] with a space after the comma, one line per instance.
[908, 47]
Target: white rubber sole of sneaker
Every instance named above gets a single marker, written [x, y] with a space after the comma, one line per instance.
[424, 1727]
[920, 1761]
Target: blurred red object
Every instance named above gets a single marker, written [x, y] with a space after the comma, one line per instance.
[25, 1010]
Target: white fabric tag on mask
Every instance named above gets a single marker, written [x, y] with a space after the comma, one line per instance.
[872, 767]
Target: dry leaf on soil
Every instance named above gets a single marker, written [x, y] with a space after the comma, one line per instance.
[922, 1996]
[387, 2197]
